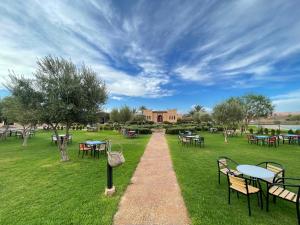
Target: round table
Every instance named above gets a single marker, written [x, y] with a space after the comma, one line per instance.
[256, 172]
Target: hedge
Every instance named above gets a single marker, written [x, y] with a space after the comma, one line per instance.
[176, 130]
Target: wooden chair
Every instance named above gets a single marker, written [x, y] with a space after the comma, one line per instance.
[240, 184]
[223, 167]
[276, 168]
[100, 148]
[251, 139]
[281, 188]
[84, 148]
[272, 141]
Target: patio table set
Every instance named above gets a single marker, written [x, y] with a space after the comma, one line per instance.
[188, 138]
[247, 179]
[95, 147]
[274, 140]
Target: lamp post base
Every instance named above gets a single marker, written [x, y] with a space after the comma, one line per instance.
[110, 191]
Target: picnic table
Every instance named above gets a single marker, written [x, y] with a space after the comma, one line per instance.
[261, 139]
[256, 172]
[290, 137]
[94, 144]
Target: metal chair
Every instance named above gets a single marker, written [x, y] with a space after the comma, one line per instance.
[281, 188]
[223, 167]
[275, 167]
[240, 184]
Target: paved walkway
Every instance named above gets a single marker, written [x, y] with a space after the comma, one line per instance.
[153, 197]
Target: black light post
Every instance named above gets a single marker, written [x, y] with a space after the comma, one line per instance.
[109, 176]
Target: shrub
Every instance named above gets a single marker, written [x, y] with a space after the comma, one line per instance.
[278, 132]
[144, 131]
[251, 130]
[138, 129]
[272, 132]
[176, 130]
[260, 131]
[297, 132]
[290, 131]
[266, 131]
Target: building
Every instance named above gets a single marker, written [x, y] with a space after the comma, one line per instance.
[161, 116]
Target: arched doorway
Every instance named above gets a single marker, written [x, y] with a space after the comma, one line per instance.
[159, 118]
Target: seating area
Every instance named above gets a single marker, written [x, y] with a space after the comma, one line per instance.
[189, 139]
[129, 133]
[69, 138]
[273, 141]
[246, 179]
[95, 148]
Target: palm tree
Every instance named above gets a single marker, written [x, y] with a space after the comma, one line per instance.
[197, 108]
[142, 108]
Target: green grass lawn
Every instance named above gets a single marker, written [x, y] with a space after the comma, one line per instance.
[206, 200]
[36, 188]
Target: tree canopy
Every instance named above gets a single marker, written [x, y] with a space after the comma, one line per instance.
[63, 94]
[228, 114]
[256, 106]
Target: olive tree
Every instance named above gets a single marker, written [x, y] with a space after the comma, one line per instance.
[15, 111]
[228, 114]
[67, 94]
[255, 107]
[114, 115]
[70, 95]
[126, 114]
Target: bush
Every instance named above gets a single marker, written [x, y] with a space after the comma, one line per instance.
[266, 131]
[278, 132]
[290, 131]
[139, 130]
[251, 130]
[260, 131]
[297, 132]
[272, 132]
[176, 130]
[144, 131]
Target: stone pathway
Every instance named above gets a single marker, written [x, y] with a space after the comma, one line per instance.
[153, 197]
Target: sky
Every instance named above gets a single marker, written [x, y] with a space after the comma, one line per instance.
[162, 54]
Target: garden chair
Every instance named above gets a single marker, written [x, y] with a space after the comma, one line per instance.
[276, 168]
[285, 138]
[240, 185]
[251, 139]
[223, 167]
[70, 138]
[179, 139]
[185, 141]
[54, 138]
[281, 187]
[199, 140]
[84, 148]
[100, 148]
[272, 141]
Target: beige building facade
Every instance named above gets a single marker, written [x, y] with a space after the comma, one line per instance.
[161, 116]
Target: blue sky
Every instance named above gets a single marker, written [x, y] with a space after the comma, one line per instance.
[163, 54]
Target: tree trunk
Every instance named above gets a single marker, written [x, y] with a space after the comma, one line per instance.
[62, 145]
[25, 139]
[25, 134]
[225, 135]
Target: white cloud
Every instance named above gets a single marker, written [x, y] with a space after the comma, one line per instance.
[289, 102]
[116, 98]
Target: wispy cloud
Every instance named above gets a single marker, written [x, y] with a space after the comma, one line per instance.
[141, 52]
[288, 102]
